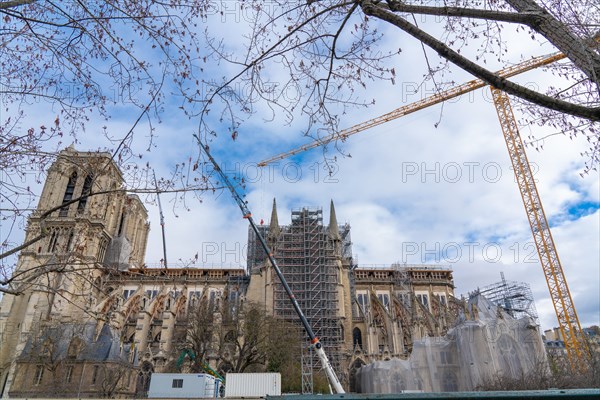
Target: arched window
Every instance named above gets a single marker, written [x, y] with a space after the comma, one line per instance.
[68, 194]
[102, 250]
[121, 223]
[357, 338]
[53, 240]
[69, 245]
[87, 188]
[450, 382]
[143, 381]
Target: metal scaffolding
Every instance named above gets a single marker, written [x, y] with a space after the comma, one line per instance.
[514, 297]
[308, 258]
[403, 284]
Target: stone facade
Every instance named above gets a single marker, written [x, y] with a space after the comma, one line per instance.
[108, 300]
[361, 314]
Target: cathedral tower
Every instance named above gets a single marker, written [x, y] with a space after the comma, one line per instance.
[84, 226]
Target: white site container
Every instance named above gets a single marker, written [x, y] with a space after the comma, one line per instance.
[181, 386]
[253, 384]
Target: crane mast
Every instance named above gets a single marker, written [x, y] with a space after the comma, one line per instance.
[162, 223]
[331, 375]
[568, 321]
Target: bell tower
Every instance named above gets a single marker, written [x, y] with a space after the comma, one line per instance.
[84, 226]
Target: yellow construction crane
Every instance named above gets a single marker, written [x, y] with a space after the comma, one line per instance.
[568, 321]
[418, 105]
[566, 314]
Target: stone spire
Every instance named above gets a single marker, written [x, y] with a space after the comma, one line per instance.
[274, 229]
[334, 230]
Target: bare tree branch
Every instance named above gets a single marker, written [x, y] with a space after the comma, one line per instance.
[448, 11]
[584, 57]
[4, 5]
[591, 113]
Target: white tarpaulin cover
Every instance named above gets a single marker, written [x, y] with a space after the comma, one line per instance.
[487, 342]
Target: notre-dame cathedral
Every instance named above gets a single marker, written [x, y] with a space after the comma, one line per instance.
[90, 319]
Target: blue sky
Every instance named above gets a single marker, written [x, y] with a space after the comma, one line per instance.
[412, 192]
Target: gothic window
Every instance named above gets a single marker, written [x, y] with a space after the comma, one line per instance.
[446, 357]
[443, 299]
[357, 338]
[450, 382]
[95, 374]
[68, 194]
[87, 187]
[69, 374]
[234, 298]
[127, 293]
[53, 240]
[144, 376]
[195, 298]
[39, 374]
[121, 223]
[423, 299]
[363, 301]
[405, 299]
[102, 250]
[69, 244]
[384, 298]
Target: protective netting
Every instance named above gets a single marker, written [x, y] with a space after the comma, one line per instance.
[118, 253]
[486, 343]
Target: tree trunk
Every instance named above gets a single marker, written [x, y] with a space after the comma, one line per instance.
[574, 47]
[592, 114]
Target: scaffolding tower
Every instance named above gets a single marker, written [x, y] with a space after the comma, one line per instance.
[403, 284]
[514, 297]
[308, 258]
